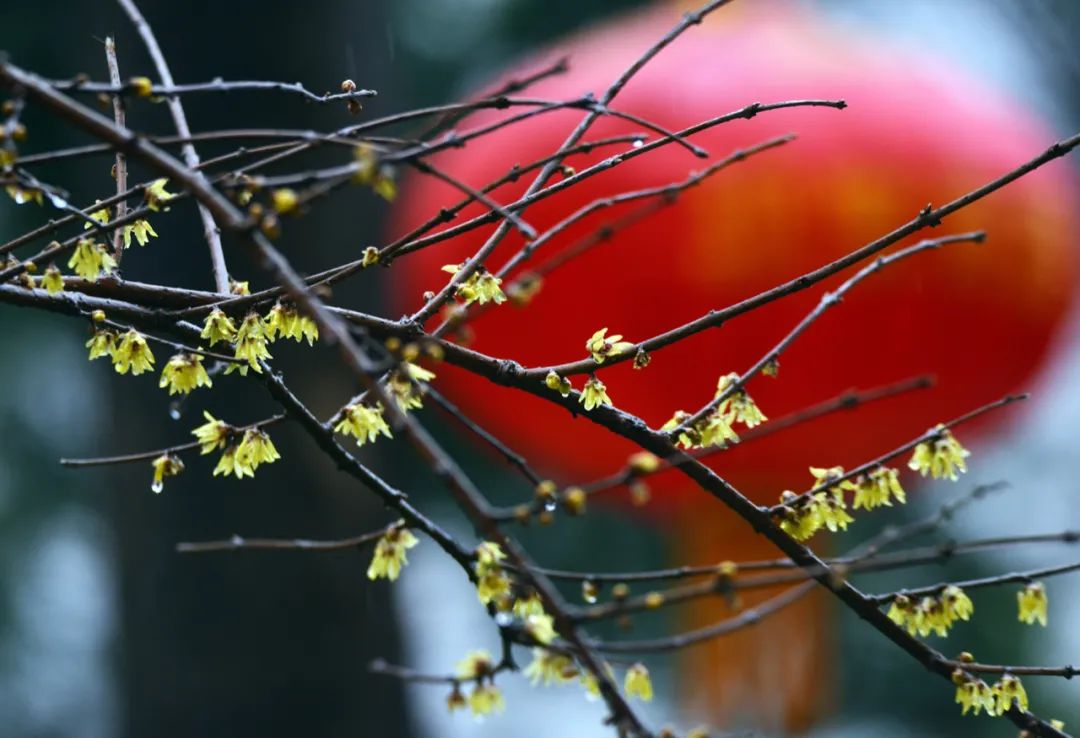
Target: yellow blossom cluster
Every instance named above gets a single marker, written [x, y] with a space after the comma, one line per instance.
[283, 320]
[1033, 604]
[716, 428]
[600, 346]
[879, 487]
[183, 373]
[974, 695]
[166, 465]
[482, 286]
[492, 583]
[389, 556]
[485, 697]
[250, 342]
[942, 458]
[141, 229]
[91, 260]
[240, 459]
[363, 422]
[549, 667]
[128, 352]
[931, 614]
[801, 520]
[403, 387]
[52, 281]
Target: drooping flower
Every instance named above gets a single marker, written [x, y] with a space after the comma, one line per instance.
[403, 387]
[141, 229]
[284, 200]
[1033, 604]
[942, 458]
[637, 682]
[256, 448]
[739, 407]
[157, 195]
[166, 465]
[389, 556]
[594, 394]
[549, 667]
[132, 353]
[363, 422]
[218, 327]
[91, 259]
[101, 216]
[251, 342]
[485, 698]
[183, 373]
[212, 434]
[1008, 690]
[541, 627]
[284, 320]
[102, 343]
[52, 281]
[973, 694]
[878, 488]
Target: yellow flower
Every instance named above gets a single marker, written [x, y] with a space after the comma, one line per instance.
[550, 668]
[942, 458]
[141, 229]
[593, 394]
[492, 585]
[560, 384]
[739, 407]
[482, 286]
[973, 694]
[541, 627]
[165, 465]
[90, 260]
[102, 343]
[157, 195]
[489, 553]
[183, 373]
[716, 429]
[52, 281]
[101, 216]
[526, 606]
[389, 556]
[256, 448]
[401, 384]
[239, 288]
[133, 353]
[476, 665]
[369, 172]
[363, 422]
[878, 488]
[370, 257]
[820, 510]
[600, 347]
[212, 434]
[229, 463]
[22, 195]
[284, 320]
[284, 200]
[1007, 690]
[1033, 604]
[485, 698]
[251, 342]
[956, 604]
[218, 327]
[141, 86]
[637, 682]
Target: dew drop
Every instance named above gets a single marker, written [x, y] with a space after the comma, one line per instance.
[638, 144]
[502, 619]
[157, 486]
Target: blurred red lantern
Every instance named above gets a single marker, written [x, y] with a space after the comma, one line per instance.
[918, 130]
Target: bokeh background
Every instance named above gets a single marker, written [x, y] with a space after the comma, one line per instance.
[106, 631]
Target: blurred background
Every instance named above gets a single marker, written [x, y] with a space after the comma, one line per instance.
[106, 631]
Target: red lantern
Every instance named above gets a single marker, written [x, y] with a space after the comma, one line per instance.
[917, 130]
